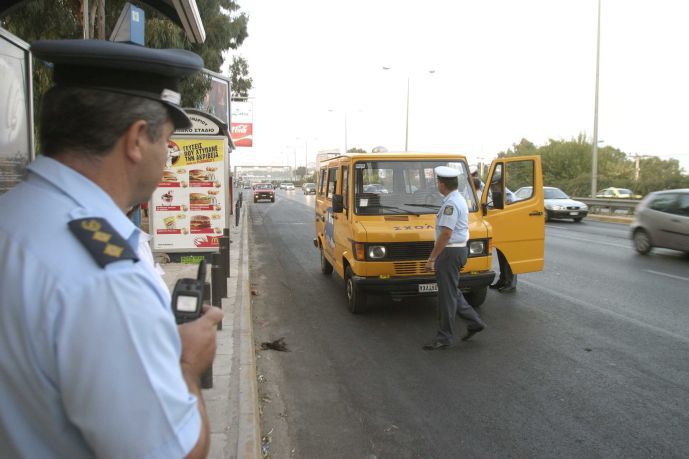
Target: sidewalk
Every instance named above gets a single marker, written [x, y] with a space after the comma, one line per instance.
[232, 403]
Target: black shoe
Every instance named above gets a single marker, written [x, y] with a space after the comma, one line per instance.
[507, 289]
[471, 332]
[435, 345]
[497, 285]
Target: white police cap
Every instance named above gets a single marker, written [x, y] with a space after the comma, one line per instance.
[446, 172]
[121, 68]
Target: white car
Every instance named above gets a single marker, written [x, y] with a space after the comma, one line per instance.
[557, 204]
[287, 186]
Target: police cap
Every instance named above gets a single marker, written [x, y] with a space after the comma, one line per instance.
[121, 68]
[446, 172]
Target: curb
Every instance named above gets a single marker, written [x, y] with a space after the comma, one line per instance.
[249, 432]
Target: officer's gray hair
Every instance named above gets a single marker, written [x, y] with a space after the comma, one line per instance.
[89, 121]
[451, 183]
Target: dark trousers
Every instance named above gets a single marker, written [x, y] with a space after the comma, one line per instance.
[451, 302]
[506, 279]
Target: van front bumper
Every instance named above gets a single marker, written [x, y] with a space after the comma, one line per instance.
[399, 287]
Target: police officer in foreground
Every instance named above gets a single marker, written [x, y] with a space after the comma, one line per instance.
[92, 363]
[448, 257]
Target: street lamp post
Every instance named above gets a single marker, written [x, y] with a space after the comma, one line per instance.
[594, 156]
[406, 124]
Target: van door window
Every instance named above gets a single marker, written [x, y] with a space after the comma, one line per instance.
[332, 182]
[519, 175]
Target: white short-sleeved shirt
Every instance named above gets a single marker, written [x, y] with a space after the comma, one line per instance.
[453, 214]
[89, 355]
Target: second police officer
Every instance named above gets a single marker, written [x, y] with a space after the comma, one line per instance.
[449, 255]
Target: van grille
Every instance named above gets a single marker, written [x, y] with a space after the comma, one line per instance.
[409, 267]
[408, 250]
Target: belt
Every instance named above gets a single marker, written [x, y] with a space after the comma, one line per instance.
[457, 245]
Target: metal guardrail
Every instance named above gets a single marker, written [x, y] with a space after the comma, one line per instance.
[605, 206]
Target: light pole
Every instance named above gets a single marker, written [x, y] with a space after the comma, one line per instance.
[594, 156]
[406, 124]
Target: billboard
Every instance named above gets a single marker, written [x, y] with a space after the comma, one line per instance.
[16, 131]
[188, 210]
[242, 126]
[217, 100]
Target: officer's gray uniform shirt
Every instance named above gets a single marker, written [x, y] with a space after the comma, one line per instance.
[89, 355]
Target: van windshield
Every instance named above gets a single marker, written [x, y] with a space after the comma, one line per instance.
[404, 187]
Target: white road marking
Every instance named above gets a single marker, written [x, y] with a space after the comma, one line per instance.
[639, 322]
[593, 241]
[672, 276]
[558, 227]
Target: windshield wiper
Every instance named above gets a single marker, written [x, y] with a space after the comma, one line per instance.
[402, 211]
[430, 206]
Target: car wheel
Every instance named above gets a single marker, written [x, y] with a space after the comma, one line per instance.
[642, 241]
[356, 298]
[476, 297]
[578, 219]
[326, 267]
[255, 201]
[272, 200]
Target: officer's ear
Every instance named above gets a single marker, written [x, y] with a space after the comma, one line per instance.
[135, 138]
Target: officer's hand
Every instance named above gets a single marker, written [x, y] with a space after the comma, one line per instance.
[430, 266]
[198, 341]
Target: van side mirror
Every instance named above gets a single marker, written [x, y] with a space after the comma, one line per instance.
[338, 203]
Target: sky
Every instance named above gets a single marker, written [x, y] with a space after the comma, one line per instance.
[503, 70]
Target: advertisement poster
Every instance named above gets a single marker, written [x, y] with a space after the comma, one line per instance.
[188, 209]
[242, 127]
[217, 100]
[16, 143]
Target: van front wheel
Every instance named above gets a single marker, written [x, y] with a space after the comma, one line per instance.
[356, 299]
[326, 267]
[476, 297]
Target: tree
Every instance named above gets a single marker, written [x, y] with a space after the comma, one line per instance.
[225, 25]
[356, 150]
[300, 172]
[239, 75]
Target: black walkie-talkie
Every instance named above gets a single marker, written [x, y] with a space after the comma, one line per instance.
[187, 297]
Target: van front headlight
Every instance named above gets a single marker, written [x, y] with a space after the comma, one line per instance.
[477, 248]
[376, 252]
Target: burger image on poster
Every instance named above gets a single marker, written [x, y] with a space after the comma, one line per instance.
[198, 175]
[200, 222]
[169, 176]
[173, 153]
[201, 199]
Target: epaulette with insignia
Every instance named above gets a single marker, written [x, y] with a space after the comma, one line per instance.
[448, 210]
[103, 243]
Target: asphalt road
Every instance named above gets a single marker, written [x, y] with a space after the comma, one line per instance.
[589, 358]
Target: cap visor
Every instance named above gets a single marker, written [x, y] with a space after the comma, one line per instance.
[179, 117]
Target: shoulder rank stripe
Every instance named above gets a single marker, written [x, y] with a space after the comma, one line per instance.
[100, 239]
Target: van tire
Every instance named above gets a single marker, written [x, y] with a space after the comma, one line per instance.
[356, 298]
[326, 267]
[476, 296]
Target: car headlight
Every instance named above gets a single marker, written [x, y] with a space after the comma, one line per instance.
[584, 207]
[376, 252]
[555, 207]
[477, 247]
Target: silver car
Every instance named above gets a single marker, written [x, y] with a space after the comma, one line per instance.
[662, 220]
[557, 204]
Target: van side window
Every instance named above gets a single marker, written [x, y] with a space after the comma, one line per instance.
[332, 182]
[518, 174]
[321, 181]
[345, 186]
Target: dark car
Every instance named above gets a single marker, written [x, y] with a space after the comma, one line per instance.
[309, 188]
[264, 191]
[557, 204]
[662, 220]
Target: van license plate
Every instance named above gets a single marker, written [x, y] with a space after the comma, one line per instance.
[428, 288]
[574, 213]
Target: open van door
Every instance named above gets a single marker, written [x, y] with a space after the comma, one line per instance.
[512, 203]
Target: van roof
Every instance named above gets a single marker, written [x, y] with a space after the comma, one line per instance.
[397, 155]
